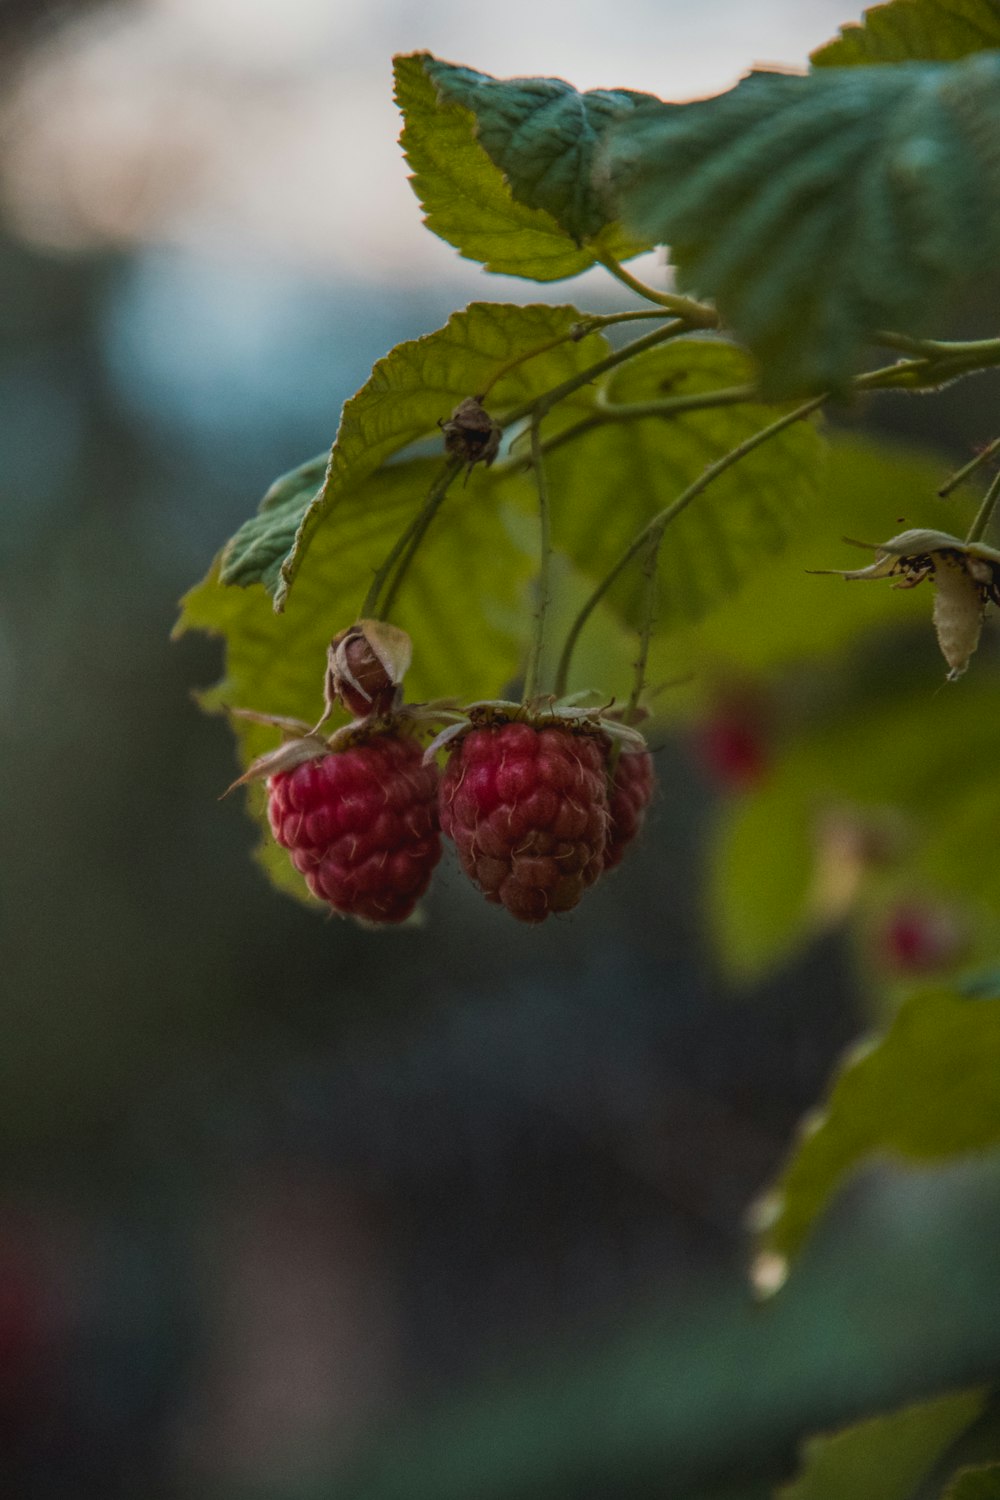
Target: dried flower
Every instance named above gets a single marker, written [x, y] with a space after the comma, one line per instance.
[966, 576]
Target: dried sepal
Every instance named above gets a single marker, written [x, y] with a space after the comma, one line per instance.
[365, 666]
[546, 713]
[471, 434]
[294, 752]
[966, 575]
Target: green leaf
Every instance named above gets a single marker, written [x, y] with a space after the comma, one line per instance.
[914, 31]
[925, 1091]
[464, 604]
[542, 135]
[816, 210]
[466, 199]
[886, 1457]
[617, 475]
[981, 1483]
[256, 552]
[408, 391]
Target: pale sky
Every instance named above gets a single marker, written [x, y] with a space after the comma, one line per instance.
[265, 129]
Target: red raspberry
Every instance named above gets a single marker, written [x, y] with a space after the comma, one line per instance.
[920, 938]
[361, 825]
[527, 807]
[630, 794]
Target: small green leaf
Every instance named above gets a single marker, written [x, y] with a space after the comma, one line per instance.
[465, 197]
[914, 31]
[542, 134]
[617, 475]
[255, 553]
[408, 391]
[883, 1458]
[925, 1091]
[816, 210]
[981, 1483]
[463, 604]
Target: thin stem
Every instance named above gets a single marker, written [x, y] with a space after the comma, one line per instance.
[407, 543]
[574, 335]
[650, 568]
[962, 474]
[666, 406]
[652, 532]
[985, 511]
[697, 314]
[540, 405]
[533, 669]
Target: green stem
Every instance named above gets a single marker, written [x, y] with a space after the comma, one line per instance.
[962, 474]
[533, 669]
[406, 544]
[985, 511]
[650, 568]
[574, 335]
[540, 405]
[652, 533]
[666, 406]
[696, 314]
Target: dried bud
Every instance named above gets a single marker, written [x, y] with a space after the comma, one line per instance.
[471, 434]
[365, 665]
[967, 576]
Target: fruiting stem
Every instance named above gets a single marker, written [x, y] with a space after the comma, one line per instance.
[652, 533]
[533, 669]
[586, 325]
[540, 405]
[406, 545]
[985, 511]
[962, 474]
[650, 568]
[667, 406]
[696, 314]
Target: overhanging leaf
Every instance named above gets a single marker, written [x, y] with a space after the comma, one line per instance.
[816, 210]
[408, 391]
[617, 475]
[914, 31]
[466, 198]
[925, 1091]
[469, 569]
[542, 134]
[886, 1457]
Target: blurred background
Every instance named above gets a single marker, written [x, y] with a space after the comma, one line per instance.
[289, 1209]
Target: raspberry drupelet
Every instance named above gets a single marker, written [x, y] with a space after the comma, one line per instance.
[629, 796]
[527, 807]
[361, 825]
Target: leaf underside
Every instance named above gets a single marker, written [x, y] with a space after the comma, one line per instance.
[816, 210]
[502, 169]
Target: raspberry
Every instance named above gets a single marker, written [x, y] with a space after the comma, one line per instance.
[630, 794]
[527, 808]
[361, 825]
[920, 938]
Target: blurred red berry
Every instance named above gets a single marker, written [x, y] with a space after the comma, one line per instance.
[732, 749]
[920, 938]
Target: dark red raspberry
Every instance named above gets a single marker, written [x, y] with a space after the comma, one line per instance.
[630, 794]
[527, 807]
[361, 825]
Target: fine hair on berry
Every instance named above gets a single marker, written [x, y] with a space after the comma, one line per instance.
[361, 825]
[527, 808]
